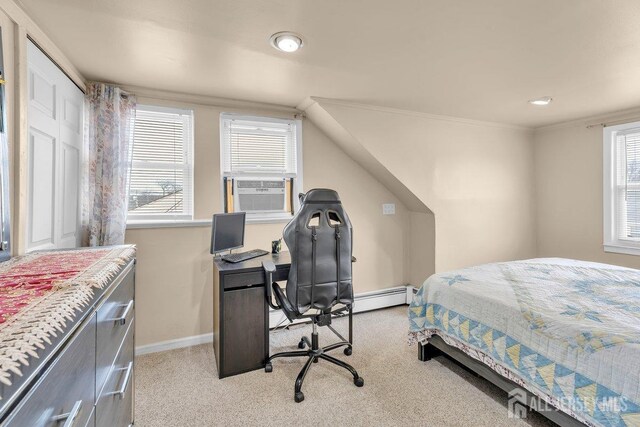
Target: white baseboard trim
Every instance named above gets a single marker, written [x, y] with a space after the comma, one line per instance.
[366, 301]
[174, 344]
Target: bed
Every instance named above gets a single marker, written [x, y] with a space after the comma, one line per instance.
[565, 332]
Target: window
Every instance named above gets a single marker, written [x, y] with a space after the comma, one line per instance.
[161, 185]
[261, 166]
[622, 188]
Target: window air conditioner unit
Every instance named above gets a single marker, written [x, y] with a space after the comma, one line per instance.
[257, 195]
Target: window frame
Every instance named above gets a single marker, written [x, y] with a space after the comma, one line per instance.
[167, 219]
[611, 192]
[260, 217]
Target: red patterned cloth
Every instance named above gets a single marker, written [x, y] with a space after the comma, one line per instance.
[41, 294]
[24, 282]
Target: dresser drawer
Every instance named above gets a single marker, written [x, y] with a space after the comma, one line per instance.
[114, 317]
[114, 405]
[65, 394]
[240, 280]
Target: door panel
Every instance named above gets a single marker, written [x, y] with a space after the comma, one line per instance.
[43, 93]
[55, 111]
[72, 117]
[71, 181]
[42, 159]
[70, 157]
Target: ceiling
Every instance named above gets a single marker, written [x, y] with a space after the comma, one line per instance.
[465, 58]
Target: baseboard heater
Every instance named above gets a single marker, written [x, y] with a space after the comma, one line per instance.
[366, 301]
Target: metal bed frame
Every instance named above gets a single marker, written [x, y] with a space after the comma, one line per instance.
[436, 346]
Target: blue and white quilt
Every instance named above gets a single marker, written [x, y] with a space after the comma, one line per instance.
[568, 331]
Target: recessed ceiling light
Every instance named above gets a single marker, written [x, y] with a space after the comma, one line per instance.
[286, 41]
[545, 100]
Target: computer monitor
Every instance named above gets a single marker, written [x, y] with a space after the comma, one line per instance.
[227, 231]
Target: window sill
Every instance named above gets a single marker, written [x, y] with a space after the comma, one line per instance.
[622, 249]
[133, 225]
[169, 223]
[268, 220]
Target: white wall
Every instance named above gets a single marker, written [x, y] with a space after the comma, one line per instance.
[476, 177]
[569, 205]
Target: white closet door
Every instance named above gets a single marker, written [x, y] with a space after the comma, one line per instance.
[55, 143]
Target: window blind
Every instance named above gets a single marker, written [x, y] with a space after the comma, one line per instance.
[628, 183]
[252, 146]
[162, 168]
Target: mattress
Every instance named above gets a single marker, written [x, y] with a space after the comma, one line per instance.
[568, 331]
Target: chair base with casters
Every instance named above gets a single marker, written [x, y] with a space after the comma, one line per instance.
[315, 353]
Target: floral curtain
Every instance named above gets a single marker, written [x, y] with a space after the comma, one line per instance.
[110, 113]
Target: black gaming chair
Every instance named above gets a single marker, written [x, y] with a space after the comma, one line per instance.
[319, 238]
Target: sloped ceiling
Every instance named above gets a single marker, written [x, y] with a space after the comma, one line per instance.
[475, 177]
[472, 59]
[354, 149]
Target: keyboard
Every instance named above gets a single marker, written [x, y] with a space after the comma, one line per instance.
[243, 256]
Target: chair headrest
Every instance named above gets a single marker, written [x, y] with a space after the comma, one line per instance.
[320, 195]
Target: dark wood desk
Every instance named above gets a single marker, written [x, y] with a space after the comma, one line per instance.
[241, 313]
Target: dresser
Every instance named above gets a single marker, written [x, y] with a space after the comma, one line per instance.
[86, 376]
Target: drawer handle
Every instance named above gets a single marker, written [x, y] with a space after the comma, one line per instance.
[122, 320]
[70, 416]
[125, 382]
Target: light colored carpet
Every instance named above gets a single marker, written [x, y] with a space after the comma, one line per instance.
[181, 387]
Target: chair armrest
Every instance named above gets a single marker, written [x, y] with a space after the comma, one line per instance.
[269, 268]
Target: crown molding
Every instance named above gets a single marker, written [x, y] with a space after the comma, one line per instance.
[316, 99]
[212, 101]
[600, 120]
